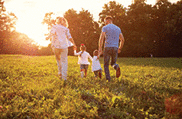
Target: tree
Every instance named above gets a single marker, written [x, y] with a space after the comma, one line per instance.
[19, 43]
[139, 29]
[167, 26]
[45, 50]
[159, 25]
[83, 28]
[49, 20]
[7, 22]
[116, 10]
[11, 41]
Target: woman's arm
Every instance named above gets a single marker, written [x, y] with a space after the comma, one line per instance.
[69, 37]
[50, 35]
[72, 41]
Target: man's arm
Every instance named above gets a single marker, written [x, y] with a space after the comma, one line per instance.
[121, 38]
[101, 39]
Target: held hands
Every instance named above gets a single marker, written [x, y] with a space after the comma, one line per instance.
[119, 50]
[100, 52]
[74, 47]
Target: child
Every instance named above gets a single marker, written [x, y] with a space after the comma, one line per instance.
[96, 68]
[83, 59]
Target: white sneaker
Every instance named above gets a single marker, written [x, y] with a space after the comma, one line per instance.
[82, 74]
[59, 74]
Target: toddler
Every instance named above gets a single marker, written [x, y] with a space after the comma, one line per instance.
[83, 59]
[96, 67]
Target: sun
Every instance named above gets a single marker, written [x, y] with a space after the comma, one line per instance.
[33, 28]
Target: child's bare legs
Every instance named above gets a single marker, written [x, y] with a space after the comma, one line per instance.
[98, 73]
[85, 73]
[82, 73]
[83, 68]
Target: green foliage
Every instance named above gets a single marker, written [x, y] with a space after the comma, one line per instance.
[147, 29]
[48, 20]
[12, 42]
[7, 20]
[117, 11]
[30, 88]
[83, 28]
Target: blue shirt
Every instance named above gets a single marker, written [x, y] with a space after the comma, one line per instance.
[112, 35]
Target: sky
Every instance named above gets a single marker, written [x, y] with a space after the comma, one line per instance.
[30, 13]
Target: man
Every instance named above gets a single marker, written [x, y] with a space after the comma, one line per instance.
[112, 35]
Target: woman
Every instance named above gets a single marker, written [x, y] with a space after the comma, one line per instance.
[60, 42]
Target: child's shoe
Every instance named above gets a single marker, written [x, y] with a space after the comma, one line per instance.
[59, 74]
[82, 74]
[118, 72]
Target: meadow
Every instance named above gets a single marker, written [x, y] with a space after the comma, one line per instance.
[31, 89]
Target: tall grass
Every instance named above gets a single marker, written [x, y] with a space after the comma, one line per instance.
[30, 88]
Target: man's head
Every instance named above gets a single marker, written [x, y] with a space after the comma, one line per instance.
[108, 20]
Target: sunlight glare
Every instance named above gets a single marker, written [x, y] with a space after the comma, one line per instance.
[30, 13]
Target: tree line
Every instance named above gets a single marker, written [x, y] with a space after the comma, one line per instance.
[148, 30]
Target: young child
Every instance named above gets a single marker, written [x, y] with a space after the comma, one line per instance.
[96, 67]
[83, 59]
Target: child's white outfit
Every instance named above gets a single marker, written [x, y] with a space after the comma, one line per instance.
[83, 60]
[96, 64]
[96, 67]
[84, 57]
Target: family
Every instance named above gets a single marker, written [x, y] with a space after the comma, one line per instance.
[61, 39]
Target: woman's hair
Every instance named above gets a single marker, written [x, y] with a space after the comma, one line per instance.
[82, 48]
[96, 53]
[62, 21]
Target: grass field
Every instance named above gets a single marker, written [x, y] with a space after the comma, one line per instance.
[31, 89]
